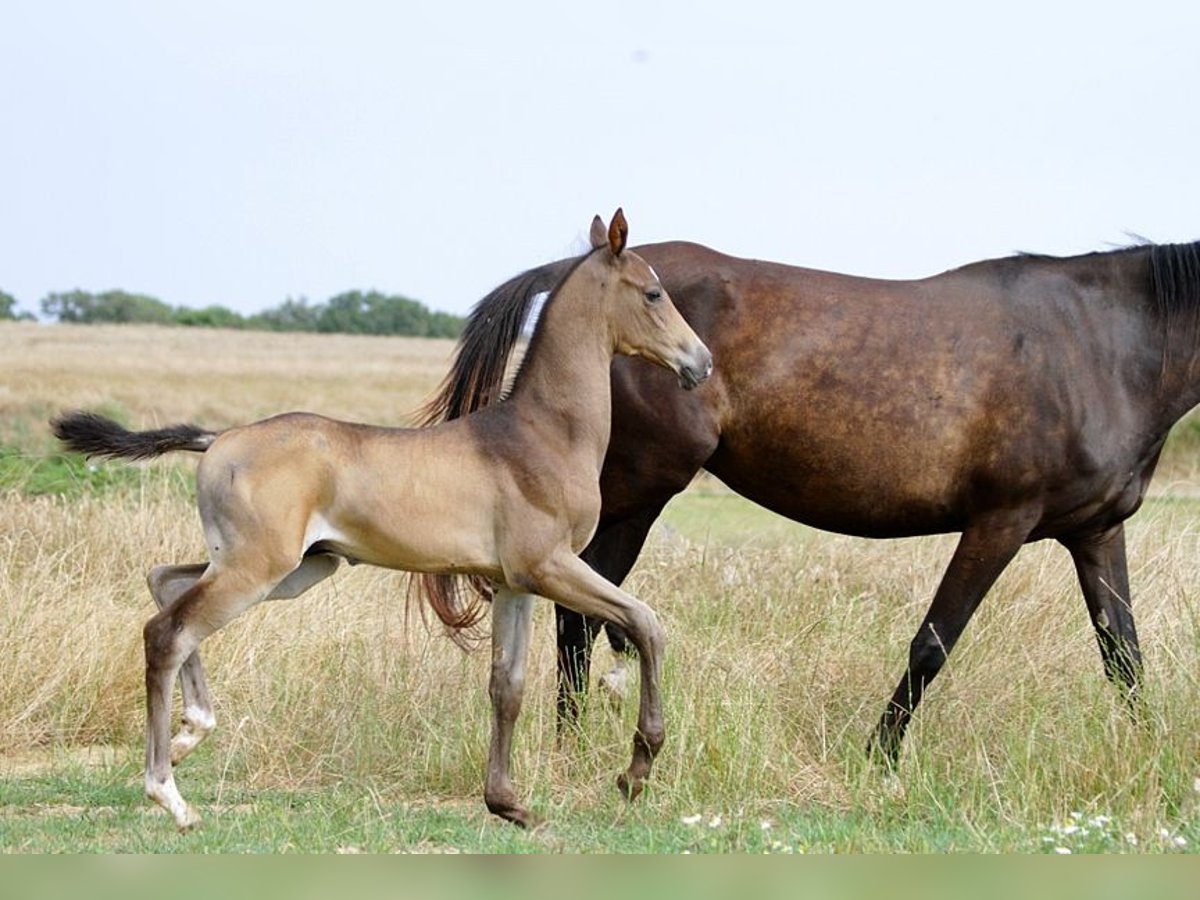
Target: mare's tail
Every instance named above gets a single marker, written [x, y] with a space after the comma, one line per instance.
[94, 435]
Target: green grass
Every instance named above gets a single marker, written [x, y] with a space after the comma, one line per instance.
[102, 811]
[783, 645]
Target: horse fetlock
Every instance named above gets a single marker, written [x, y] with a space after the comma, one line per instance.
[198, 723]
[630, 784]
[503, 802]
[166, 794]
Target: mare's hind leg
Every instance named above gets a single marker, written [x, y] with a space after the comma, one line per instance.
[1104, 577]
[510, 643]
[167, 585]
[172, 636]
[985, 548]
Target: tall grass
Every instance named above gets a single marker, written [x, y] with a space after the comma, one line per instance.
[783, 645]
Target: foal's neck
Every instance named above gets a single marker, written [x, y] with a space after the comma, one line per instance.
[563, 386]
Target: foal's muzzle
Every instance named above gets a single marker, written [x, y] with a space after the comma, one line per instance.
[696, 368]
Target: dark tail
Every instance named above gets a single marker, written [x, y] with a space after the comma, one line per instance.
[94, 435]
[475, 380]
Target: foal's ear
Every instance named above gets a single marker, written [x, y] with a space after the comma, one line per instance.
[618, 232]
[598, 236]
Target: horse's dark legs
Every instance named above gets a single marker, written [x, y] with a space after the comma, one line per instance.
[986, 547]
[612, 553]
[1104, 577]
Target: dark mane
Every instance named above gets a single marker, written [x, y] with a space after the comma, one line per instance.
[1175, 275]
[475, 380]
[476, 376]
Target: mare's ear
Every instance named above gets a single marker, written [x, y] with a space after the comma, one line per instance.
[598, 237]
[618, 232]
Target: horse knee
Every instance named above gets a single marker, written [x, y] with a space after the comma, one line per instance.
[926, 654]
[164, 643]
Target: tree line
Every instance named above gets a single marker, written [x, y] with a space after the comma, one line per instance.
[352, 312]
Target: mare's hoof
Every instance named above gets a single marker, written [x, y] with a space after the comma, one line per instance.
[629, 787]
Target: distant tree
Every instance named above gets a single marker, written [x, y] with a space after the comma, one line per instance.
[8, 305]
[355, 312]
[351, 312]
[71, 306]
[292, 315]
[209, 317]
[110, 306]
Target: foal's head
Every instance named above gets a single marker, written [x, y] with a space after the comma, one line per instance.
[642, 317]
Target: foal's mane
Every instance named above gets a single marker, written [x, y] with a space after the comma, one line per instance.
[476, 380]
[495, 323]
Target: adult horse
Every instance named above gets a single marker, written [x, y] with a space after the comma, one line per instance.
[1011, 400]
[510, 495]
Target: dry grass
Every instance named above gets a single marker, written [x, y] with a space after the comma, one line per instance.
[783, 642]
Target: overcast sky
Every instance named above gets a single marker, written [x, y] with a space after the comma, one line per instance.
[239, 153]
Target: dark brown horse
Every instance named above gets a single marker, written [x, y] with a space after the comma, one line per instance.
[1011, 400]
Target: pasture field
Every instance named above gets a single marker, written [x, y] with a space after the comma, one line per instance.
[346, 723]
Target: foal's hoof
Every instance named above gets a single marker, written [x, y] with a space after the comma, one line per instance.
[189, 821]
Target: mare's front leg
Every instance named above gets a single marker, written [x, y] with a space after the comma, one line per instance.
[987, 545]
[568, 580]
[510, 643]
[167, 585]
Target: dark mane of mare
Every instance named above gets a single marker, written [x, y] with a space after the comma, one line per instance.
[1011, 400]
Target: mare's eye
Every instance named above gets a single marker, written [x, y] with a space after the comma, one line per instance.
[654, 295]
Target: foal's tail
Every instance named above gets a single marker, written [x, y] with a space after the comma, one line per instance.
[94, 435]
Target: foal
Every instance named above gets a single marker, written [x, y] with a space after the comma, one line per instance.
[510, 495]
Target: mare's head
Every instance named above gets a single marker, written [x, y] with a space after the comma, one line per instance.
[642, 318]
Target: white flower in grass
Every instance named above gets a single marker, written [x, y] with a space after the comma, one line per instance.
[691, 820]
[1131, 839]
[715, 822]
[1063, 851]
[1179, 841]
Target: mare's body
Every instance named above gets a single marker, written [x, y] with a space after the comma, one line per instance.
[1011, 400]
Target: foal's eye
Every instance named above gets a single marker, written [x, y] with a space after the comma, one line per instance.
[654, 295]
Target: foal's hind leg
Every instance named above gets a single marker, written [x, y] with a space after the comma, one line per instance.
[1104, 577]
[173, 636]
[167, 585]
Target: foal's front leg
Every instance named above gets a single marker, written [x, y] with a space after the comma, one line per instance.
[510, 642]
[568, 580]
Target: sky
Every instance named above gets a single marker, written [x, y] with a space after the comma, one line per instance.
[240, 153]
